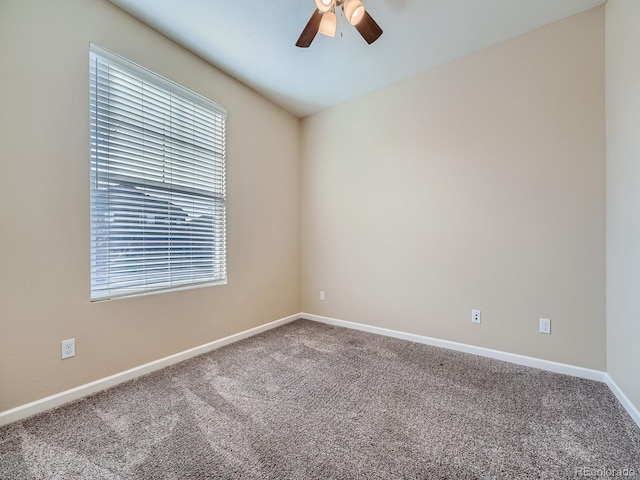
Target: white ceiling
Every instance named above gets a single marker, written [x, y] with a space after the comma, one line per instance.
[254, 41]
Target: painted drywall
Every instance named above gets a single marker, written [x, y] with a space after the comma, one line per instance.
[44, 206]
[623, 195]
[478, 185]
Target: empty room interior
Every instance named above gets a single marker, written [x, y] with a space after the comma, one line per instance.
[417, 236]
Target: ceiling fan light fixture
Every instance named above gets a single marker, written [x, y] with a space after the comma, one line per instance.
[328, 24]
[353, 10]
[323, 20]
[324, 5]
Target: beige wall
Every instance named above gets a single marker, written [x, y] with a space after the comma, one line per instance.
[44, 206]
[477, 185]
[480, 184]
[623, 196]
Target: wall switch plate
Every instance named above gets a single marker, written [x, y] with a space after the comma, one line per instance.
[476, 316]
[68, 348]
[545, 325]
[322, 295]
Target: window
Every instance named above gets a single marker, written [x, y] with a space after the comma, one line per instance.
[157, 182]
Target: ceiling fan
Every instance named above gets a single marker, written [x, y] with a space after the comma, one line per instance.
[324, 21]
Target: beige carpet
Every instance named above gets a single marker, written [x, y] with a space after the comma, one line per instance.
[311, 401]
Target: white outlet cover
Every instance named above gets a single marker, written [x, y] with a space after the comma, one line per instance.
[545, 325]
[476, 316]
[68, 348]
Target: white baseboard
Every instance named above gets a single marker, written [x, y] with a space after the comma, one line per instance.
[548, 365]
[624, 400]
[53, 401]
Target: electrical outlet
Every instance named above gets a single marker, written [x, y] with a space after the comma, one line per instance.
[545, 325]
[322, 295]
[476, 316]
[68, 348]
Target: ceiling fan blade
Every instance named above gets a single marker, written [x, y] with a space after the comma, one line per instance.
[310, 31]
[368, 28]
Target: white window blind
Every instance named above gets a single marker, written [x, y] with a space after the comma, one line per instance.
[157, 182]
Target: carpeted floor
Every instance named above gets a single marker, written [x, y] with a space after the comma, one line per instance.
[311, 401]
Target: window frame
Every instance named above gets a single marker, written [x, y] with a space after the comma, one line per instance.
[181, 252]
